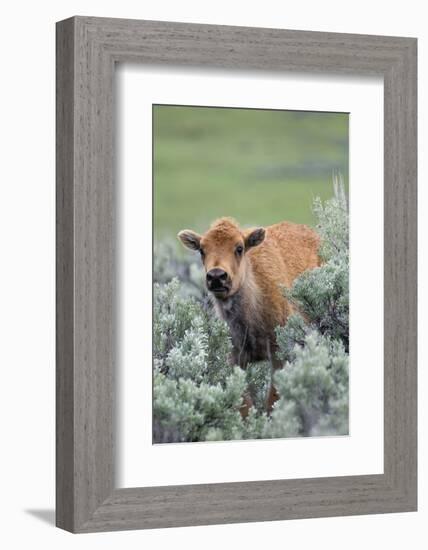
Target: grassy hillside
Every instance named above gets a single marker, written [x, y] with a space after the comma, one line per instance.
[258, 166]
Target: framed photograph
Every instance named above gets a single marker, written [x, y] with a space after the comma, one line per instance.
[236, 274]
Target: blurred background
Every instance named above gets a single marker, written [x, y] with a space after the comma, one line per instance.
[258, 166]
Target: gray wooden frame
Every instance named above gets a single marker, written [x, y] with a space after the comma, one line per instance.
[87, 50]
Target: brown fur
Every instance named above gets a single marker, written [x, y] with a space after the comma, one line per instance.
[254, 304]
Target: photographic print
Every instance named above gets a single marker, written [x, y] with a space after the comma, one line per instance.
[250, 274]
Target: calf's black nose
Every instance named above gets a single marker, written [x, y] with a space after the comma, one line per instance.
[216, 277]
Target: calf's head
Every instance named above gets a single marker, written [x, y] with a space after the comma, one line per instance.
[223, 250]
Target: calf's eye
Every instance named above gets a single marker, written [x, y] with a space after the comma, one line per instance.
[202, 253]
[239, 250]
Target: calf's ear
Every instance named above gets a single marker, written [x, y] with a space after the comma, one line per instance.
[254, 237]
[190, 239]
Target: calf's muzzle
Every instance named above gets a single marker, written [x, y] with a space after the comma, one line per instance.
[217, 280]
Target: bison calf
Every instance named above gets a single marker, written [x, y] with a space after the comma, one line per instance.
[245, 270]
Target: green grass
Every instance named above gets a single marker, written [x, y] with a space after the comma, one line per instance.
[260, 167]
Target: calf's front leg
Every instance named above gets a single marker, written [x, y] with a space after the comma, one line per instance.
[272, 395]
